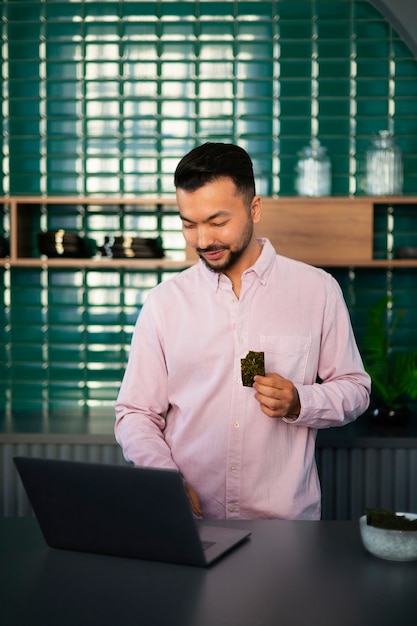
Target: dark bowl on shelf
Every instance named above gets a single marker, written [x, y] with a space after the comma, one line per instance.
[66, 244]
[132, 247]
[4, 247]
[406, 252]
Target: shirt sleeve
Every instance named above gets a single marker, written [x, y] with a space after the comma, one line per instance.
[142, 401]
[343, 391]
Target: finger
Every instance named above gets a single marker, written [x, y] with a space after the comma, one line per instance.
[194, 500]
[270, 381]
[195, 505]
[273, 405]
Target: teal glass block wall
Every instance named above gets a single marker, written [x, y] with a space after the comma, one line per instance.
[104, 98]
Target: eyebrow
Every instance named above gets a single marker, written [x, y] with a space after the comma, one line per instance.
[209, 218]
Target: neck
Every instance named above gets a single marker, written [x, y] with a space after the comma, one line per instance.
[234, 273]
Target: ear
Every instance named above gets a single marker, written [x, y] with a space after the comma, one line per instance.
[256, 209]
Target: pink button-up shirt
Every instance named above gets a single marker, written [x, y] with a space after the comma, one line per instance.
[182, 404]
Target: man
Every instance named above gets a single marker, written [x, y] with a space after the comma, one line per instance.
[244, 452]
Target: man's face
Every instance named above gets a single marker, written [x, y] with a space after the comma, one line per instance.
[217, 223]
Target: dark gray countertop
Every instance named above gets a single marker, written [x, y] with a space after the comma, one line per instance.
[288, 573]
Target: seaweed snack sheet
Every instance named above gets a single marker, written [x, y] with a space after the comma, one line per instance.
[386, 518]
[252, 365]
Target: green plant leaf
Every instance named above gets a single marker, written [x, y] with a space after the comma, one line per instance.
[407, 372]
[393, 374]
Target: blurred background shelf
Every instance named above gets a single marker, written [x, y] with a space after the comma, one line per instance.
[327, 232]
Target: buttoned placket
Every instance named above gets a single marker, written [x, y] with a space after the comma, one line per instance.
[239, 325]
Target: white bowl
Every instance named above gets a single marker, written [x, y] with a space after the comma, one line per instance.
[394, 545]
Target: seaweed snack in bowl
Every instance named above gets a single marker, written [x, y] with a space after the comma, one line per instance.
[252, 365]
[386, 518]
[389, 534]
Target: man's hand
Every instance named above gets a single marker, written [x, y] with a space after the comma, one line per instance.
[194, 499]
[277, 396]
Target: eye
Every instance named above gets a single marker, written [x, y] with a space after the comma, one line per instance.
[218, 224]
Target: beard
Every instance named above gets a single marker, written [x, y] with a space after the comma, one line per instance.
[235, 252]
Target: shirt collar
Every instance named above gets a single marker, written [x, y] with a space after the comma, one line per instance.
[262, 266]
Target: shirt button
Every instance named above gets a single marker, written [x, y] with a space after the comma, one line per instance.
[232, 509]
[236, 424]
[233, 468]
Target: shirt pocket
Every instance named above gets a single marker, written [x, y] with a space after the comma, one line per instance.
[286, 356]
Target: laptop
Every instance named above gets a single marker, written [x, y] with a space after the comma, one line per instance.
[121, 510]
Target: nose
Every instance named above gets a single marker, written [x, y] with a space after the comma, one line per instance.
[204, 237]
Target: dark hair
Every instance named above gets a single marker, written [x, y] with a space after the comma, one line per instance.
[211, 161]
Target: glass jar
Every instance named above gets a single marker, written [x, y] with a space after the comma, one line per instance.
[313, 171]
[384, 168]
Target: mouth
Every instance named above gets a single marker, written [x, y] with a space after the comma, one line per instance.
[212, 255]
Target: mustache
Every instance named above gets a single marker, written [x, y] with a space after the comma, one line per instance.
[210, 249]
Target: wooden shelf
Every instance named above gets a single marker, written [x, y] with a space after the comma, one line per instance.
[169, 264]
[376, 263]
[326, 232]
[99, 263]
[317, 229]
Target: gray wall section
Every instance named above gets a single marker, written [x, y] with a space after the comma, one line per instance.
[402, 15]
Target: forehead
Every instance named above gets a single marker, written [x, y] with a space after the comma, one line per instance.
[217, 197]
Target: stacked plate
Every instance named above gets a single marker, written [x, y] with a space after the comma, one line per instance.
[132, 247]
[64, 243]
